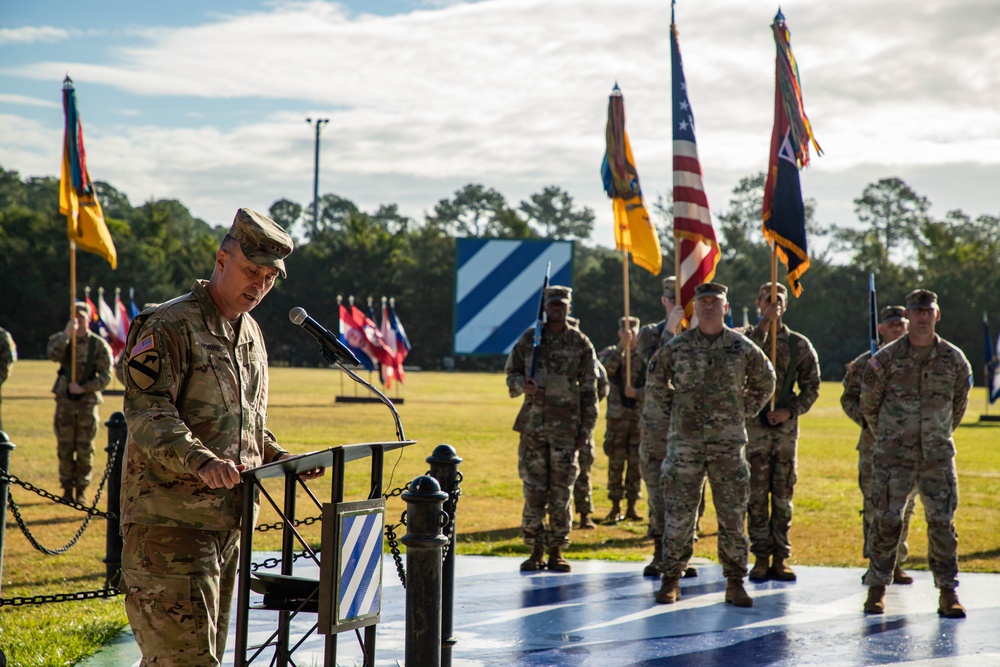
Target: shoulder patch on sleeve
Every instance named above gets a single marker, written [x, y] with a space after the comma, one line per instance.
[874, 364]
[144, 363]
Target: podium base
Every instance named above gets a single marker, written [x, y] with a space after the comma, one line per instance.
[366, 399]
[989, 418]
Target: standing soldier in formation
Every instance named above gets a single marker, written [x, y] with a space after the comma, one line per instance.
[706, 382]
[913, 396]
[583, 492]
[621, 439]
[77, 400]
[773, 438]
[196, 386]
[653, 427]
[892, 326]
[8, 355]
[556, 420]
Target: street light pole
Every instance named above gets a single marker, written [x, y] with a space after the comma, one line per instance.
[319, 122]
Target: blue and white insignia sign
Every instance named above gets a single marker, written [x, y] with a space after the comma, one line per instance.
[350, 581]
[497, 287]
[360, 591]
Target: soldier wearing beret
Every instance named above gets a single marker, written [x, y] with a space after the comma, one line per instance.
[8, 355]
[892, 325]
[556, 420]
[196, 383]
[621, 437]
[706, 381]
[772, 450]
[914, 393]
[77, 397]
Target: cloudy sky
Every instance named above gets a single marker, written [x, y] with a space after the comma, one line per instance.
[206, 101]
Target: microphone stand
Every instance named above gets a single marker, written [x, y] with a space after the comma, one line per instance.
[333, 360]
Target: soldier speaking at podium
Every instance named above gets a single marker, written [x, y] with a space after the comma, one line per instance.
[196, 385]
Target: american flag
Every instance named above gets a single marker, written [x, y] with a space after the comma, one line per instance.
[697, 243]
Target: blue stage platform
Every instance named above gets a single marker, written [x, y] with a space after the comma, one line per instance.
[604, 614]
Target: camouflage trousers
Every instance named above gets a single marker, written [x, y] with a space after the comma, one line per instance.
[866, 454]
[652, 451]
[76, 427]
[893, 482]
[583, 493]
[548, 469]
[771, 454]
[621, 444]
[683, 474]
[179, 585]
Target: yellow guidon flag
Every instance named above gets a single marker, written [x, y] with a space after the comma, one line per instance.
[77, 200]
[634, 232]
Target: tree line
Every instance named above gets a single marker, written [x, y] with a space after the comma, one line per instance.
[345, 251]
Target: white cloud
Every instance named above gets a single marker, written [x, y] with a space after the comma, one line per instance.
[31, 35]
[513, 94]
[27, 101]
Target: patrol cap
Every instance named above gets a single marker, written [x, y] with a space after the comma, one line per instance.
[891, 314]
[631, 321]
[921, 298]
[558, 293]
[82, 307]
[718, 290]
[670, 287]
[262, 240]
[765, 291]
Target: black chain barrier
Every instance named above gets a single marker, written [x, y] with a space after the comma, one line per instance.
[447, 524]
[91, 511]
[109, 592]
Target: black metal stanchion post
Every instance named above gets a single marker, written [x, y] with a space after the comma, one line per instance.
[6, 447]
[117, 434]
[423, 542]
[444, 468]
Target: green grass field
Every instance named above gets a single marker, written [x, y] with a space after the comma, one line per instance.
[472, 413]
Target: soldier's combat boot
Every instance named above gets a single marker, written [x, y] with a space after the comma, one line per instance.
[899, 576]
[556, 561]
[615, 515]
[948, 604]
[653, 569]
[81, 495]
[586, 523]
[670, 590]
[875, 604]
[630, 513]
[760, 569]
[67, 492]
[779, 571]
[690, 571]
[736, 595]
[536, 561]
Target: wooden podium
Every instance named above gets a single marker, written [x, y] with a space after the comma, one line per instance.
[289, 595]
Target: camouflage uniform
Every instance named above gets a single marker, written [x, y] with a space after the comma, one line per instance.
[621, 438]
[196, 390]
[549, 423]
[8, 355]
[583, 496]
[705, 389]
[652, 431]
[772, 451]
[912, 403]
[850, 400]
[76, 418]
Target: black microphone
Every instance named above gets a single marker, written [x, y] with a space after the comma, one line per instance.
[329, 342]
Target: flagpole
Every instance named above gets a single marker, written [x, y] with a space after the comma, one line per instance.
[774, 323]
[628, 340]
[72, 310]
